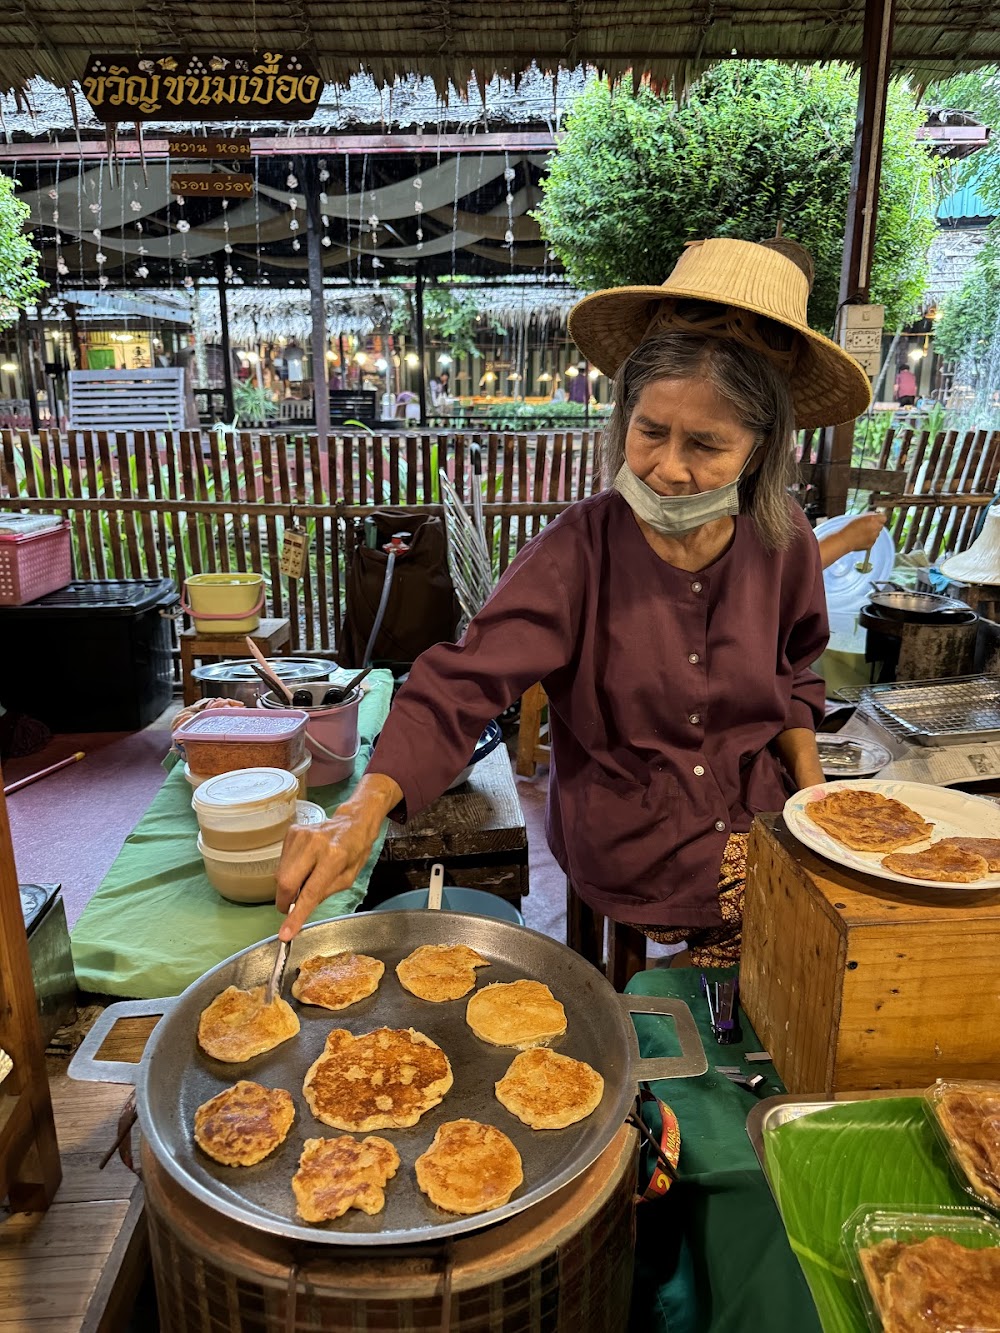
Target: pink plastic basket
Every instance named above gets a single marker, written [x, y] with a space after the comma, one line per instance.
[34, 565]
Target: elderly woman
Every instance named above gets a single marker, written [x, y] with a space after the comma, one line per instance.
[672, 618]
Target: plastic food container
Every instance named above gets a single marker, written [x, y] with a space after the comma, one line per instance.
[966, 1115]
[248, 809]
[867, 1230]
[221, 740]
[251, 876]
[300, 773]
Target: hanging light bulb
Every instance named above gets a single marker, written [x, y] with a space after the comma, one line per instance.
[572, 372]
[361, 358]
[545, 378]
[412, 360]
[381, 365]
[594, 374]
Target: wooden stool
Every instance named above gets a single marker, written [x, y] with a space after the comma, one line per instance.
[272, 637]
[532, 736]
[585, 934]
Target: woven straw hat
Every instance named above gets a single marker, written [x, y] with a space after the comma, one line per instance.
[827, 385]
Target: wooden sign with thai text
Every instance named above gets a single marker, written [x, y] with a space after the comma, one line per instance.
[202, 86]
[196, 148]
[212, 185]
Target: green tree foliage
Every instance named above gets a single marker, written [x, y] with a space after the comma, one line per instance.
[969, 318]
[19, 280]
[754, 144]
[978, 93]
[451, 316]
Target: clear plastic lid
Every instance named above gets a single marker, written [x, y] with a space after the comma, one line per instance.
[245, 789]
[966, 1115]
[850, 757]
[937, 1270]
[847, 587]
[235, 724]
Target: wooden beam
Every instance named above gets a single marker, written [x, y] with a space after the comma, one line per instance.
[862, 213]
[310, 145]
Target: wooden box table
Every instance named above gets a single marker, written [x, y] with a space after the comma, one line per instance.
[856, 982]
[272, 637]
[477, 831]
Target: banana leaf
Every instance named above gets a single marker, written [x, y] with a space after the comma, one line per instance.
[825, 1165]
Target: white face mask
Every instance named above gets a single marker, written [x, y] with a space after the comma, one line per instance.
[673, 515]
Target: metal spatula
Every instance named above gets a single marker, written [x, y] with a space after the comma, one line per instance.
[435, 893]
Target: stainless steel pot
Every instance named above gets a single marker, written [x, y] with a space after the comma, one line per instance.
[919, 607]
[175, 1076]
[236, 679]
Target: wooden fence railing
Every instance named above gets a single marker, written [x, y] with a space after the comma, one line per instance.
[165, 504]
[171, 503]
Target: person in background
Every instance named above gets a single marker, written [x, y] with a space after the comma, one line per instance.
[579, 385]
[905, 389]
[558, 393]
[858, 535]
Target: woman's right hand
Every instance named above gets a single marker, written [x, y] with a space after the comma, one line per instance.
[321, 859]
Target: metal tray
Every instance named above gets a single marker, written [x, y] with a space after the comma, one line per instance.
[945, 712]
[175, 1076]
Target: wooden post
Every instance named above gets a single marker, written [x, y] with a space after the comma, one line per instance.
[421, 345]
[28, 368]
[30, 1170]
[862, 213]
[314, 241]
[227, 346]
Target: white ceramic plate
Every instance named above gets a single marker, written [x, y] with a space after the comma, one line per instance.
[954, 814]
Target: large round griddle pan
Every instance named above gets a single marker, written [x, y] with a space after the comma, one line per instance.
[175, 1076]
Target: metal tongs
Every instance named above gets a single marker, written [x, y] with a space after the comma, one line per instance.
[280, 963]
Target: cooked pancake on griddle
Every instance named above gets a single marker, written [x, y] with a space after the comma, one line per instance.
[867, 821]
[469, 1167]
[336, 980]
[971, 1123]
[515, 1013]
[549, 1091]
[337, 1174]
[987, 848]
[238, 1024]
[244, 1124]
[385, 1079]
[439, 972]
[932, 1286]
[938, 861]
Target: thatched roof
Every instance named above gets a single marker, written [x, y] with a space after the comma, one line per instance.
[450, 40]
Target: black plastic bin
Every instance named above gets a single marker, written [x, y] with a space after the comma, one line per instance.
[91, 657]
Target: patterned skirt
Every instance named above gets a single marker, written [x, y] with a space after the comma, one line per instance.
[716, 946]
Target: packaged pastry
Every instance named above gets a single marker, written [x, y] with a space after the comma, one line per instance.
[218, 741]
[937, 1271]
[966, 1115]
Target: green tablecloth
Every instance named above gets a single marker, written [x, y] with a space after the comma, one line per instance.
[712, 1256]
[156, 924]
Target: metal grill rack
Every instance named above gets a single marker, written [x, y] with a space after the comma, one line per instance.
[939, 712]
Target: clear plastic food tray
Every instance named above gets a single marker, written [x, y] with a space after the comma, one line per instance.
[871, 1238]
[974, 1158]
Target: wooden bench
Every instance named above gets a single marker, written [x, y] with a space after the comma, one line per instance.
[477, 831]
[272, 637]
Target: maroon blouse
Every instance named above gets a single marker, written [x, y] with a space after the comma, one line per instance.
[665, 692]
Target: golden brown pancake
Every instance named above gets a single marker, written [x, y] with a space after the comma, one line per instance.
[515, 1013]
[970, 1120]
[938, 861]
[933, 1286]
[987, 848]
[336, 980]
[385, 1079]
[469, 1167]
[337, 1174]
[244, 1124]
[549, 1091]
[867, 821]
[238, 1025]
[439, 972]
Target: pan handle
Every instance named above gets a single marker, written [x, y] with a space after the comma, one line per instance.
[87, 1068]
[692, 1060]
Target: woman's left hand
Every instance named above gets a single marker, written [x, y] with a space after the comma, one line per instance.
[799, 754]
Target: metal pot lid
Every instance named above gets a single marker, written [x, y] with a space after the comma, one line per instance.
[285, 668]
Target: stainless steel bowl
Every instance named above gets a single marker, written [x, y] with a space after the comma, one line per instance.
[236, 679]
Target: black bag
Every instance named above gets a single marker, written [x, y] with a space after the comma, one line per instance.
[421, 609]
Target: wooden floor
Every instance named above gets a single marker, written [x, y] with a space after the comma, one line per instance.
[79, 1266]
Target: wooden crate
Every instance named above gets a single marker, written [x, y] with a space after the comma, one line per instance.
[853, 982]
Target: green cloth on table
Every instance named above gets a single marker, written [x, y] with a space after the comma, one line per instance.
[712, 1256]
[156, 924]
